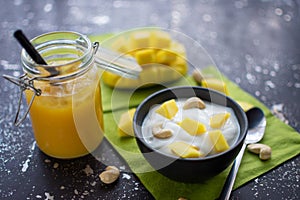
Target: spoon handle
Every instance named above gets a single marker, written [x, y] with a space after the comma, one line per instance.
[227, 188]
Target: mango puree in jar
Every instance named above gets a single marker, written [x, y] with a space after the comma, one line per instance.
[67, 119]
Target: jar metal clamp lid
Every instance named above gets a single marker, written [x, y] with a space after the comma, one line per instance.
[24, 83]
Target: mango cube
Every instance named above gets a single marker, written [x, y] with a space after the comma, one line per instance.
[120, 45]
[139, 39]
[192, 127]
[168, 109]
[218, 140]
[125, 128]
[185, 150]
[110, 79]
[177, 48]
[145, 56]
[218, 120]
[180, 65]
[165, 56]
[246, 106]
[160, 39]
[148, 75]
[215, 84]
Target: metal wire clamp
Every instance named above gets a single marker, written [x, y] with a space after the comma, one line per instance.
[24, 83]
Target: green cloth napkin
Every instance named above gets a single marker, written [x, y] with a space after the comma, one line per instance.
[114, 99]
[283, 139]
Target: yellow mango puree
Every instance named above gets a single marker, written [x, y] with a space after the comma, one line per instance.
[68, 125]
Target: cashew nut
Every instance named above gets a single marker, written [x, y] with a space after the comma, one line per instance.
[161, 133]
[110, 175]
[194, 102]
[182, 198]
[197, 76]
[263, 150]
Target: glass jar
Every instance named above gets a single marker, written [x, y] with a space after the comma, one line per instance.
[65, 95]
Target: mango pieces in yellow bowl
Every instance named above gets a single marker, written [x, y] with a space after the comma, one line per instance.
[162, 58]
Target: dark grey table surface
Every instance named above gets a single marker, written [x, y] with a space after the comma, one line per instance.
[254, 43]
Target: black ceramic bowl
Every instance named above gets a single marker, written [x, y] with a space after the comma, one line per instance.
[189, 169]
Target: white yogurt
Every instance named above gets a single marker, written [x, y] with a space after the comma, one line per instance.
[230, 129]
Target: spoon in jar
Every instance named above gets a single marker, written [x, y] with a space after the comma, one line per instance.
[256, 130]
[32, 52]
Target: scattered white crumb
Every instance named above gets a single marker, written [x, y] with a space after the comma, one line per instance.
[47, 161]
[277, 107]
[277, 110]
[48, 196]
[33, 146]
[88, 170]
[38, 196]
[126, 176]
[93, 183]
[76, 192]
[55, 165]
[62, 187]
[25, 165]
[122, 167]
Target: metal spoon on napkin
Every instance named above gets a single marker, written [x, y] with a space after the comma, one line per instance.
[256, 130]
